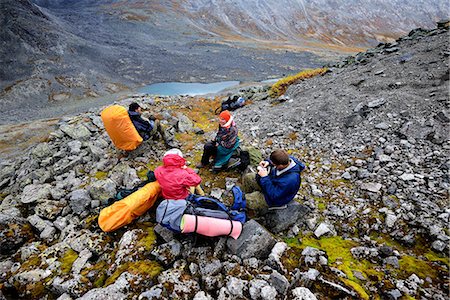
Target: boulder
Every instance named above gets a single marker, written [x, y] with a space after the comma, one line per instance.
[255, 241]
[33, 192]
[283, 219]
[103, 189]
[79, 200]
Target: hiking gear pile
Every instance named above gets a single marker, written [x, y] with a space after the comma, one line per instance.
[176, 215]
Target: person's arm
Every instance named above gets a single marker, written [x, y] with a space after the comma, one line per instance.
[191, 178]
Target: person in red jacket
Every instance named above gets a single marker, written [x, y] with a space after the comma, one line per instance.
[175, 177]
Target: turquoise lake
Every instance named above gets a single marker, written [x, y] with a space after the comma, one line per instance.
[185, 88]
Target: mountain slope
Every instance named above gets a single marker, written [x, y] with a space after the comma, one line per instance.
[371, 219]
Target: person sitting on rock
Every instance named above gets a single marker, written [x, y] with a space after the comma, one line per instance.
[276, 183]
[148, 129]
[224, 144]
[174, 177]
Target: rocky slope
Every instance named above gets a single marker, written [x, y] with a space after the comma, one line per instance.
[370, 221]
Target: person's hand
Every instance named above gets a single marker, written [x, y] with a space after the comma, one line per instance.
[262, 171]
[264, 163]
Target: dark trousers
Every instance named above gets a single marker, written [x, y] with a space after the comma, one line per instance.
[209, 150]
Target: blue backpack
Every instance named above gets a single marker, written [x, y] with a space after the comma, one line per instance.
[211, 207]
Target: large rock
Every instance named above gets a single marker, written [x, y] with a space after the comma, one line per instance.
[255, 241]
[103, 189]
[79, 200]
[283, 219]
[33, 192]
[76, 132]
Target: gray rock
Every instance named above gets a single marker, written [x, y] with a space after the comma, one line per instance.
[390, 220]
[168, 253]
[280, 282]
[438, 245]
[376, 103]
[202, 296]
[283, 219]
[74, 146]
[268, 293]
[76, 132]
[255, 241]
[392, 261]
[324, 229]
[64, 296]
[41, 150]
[154, 293]
[237, 287]
[394, 294]
[48, 234]
[166, 234]
[48, 209]
[346, 176]
[302, 293]
[33, 192]
[275, 255]
[184, 123]
[210, 268]
[81, 261]
[15, 231]
[79, 200]
[371, 187]
[38, 223]
[407, 177]
[102, 189]
[118, 290]
[255, 287]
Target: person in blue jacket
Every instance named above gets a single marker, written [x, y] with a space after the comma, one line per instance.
[276, 183]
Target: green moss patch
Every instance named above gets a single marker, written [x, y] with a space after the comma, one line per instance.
[67, 261]
[100, 175]
[340, 257]
[147, 268]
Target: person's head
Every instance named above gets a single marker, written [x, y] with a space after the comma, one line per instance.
[280, 159]
[224, 117]
[173, 157]
[135, 107]
[174, 151]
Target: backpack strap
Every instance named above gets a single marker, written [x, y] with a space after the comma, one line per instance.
[196, 224]
[165, 210]
[231, 230]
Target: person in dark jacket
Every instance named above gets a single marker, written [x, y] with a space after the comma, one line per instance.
[148, 129]
[276, 183]
[224, 144]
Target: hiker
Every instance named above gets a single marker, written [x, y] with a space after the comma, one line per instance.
[148, 129]
[175, 177]
[223, 146]
[276, 183]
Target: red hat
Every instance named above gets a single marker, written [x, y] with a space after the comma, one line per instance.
[225, 115]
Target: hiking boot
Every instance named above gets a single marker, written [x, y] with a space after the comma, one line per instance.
[233, 162]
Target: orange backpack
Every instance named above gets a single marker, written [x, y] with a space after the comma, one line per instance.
[119, 127]
[123, 212]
